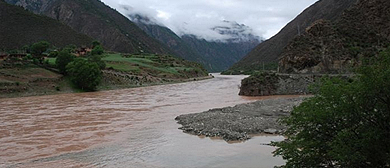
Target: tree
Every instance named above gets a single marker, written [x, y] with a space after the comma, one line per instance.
[63, 59]
[71, 48]
[345, 124]
[95, 43]
[38, 48]
[85, 75]
[97, 59]
[97, 50]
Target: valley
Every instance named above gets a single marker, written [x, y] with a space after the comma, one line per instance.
[87, 84]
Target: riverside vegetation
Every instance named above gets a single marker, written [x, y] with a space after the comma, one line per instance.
[93, 69]
[345, 124]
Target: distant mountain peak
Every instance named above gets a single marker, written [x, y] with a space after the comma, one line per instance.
[223, 31]
[139, 16]
[236, 32]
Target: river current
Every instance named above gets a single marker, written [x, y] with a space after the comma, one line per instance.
[125, 128]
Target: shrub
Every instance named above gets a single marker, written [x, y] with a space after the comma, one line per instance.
[85, 75]
[346, 123]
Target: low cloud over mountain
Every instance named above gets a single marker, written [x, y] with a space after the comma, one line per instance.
[199, 18]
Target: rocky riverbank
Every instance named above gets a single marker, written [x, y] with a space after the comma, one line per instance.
[239, 122]
[265, 84]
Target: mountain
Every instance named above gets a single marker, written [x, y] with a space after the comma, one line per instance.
[216, 55]
[20, 27]
[337, 46]
[270, 50]
[167, 37]
[220, 55]
[99, 21]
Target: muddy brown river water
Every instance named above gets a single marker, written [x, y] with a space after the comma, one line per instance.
[125, 128]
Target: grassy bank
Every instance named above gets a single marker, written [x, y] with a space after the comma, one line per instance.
[23, 78]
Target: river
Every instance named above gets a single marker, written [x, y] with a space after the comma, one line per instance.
[125, 128]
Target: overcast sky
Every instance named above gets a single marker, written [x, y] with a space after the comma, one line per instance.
[264, 17]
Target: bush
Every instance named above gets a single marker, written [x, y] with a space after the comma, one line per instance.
[346, 123]
[85, 75]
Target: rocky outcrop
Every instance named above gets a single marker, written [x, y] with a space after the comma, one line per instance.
[266, 84]
[340, 45]
[239, 122]
[321, 50]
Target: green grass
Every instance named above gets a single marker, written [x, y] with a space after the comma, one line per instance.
[120, 58]
[52, 61]
[156, 65]
[145, 61]
[120, 66]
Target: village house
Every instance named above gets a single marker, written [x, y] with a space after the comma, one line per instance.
[82, 51]
[3, 56]
[17, 56]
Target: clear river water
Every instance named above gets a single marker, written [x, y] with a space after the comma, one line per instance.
[126, 128]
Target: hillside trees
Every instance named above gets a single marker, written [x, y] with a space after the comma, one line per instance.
[346, 123]
[84, 72]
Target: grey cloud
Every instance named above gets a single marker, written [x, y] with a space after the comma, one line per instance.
[198, 17]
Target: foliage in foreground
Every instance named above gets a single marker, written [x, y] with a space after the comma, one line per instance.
[346, 124]
[85, 75]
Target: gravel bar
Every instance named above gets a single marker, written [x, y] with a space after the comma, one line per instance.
[238, 122]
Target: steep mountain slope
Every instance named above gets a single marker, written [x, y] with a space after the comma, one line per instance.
[20, 27]
[216, 56]
[220, 55]
[270, 50]
[94, 18]
[336, 46]
[168, 37]
[36, 6]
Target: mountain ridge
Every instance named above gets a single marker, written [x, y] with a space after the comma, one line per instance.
[340, 45]
[20, 27]
[270, 50]
[215, 55]
[97, 20]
